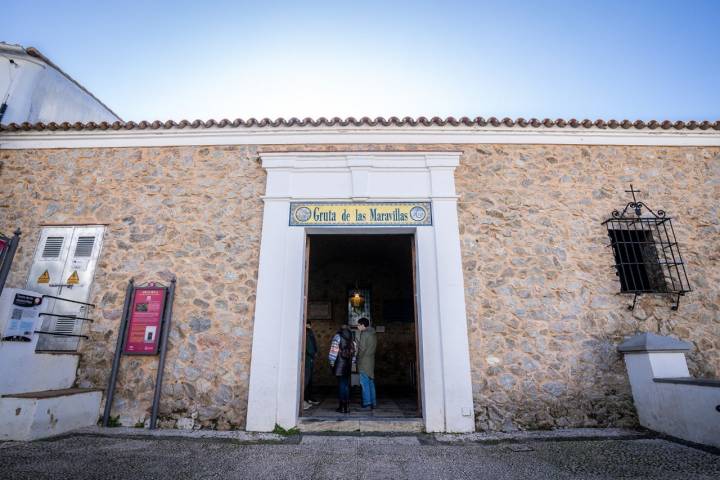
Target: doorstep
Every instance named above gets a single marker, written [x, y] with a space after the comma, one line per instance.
[388, 425]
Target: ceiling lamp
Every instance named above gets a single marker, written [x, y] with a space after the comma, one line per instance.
[356, 299]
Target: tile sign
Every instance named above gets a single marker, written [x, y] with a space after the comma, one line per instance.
[147, 308]
[360, 214]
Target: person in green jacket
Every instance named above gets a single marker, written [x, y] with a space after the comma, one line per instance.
[311, 350]
[366, 362]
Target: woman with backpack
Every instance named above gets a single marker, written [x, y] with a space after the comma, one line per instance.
[342, 351]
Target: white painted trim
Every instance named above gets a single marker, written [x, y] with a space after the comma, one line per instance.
[357, 135]
[274, 396]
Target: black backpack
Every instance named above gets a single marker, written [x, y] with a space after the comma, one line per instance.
[347, 349]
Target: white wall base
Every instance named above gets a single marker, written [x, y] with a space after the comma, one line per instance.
[34, 418]
[23, 370]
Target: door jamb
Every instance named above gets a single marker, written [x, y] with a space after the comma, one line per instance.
[306, 276]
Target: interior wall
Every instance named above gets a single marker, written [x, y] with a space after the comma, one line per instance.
[383, 264]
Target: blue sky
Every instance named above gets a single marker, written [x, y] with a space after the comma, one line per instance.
[210, 59]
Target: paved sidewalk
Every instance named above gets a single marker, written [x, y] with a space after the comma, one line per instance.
[122, 454]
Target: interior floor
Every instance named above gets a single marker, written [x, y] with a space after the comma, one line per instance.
[390, 405]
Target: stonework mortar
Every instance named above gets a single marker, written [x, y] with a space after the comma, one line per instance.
[544, 316]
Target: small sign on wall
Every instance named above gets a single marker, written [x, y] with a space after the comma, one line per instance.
[320, 310]
[147, 308]
[24, 314]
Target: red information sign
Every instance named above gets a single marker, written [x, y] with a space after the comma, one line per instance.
[146, 314]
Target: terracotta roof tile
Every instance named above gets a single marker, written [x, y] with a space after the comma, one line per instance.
[369, 122]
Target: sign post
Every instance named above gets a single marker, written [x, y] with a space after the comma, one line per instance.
[165, 333]
[144, 330]
[118, 352]
[8, 246]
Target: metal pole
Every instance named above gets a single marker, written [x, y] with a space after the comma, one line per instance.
[8, 258]
[118, 352]
[163, 350]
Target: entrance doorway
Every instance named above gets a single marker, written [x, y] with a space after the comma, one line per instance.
[379, 270]
[275, 384]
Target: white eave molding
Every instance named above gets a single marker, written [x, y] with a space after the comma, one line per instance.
[357, 135]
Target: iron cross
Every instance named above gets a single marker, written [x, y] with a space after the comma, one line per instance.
[633, 191]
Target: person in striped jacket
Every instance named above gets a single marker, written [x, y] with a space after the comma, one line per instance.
[341, 357]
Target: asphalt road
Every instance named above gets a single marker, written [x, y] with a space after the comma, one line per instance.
[328, 457]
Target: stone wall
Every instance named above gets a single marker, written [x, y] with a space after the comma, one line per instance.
[194, 212]
[543, 311]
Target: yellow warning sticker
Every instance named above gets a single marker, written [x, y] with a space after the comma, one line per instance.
[73, 279]
[44, 278]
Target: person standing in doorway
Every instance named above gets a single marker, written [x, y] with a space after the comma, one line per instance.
[342, 351]
[311, 350]
[366, 362]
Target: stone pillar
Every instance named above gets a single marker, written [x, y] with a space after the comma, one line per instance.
[649, 356]
[667, 398]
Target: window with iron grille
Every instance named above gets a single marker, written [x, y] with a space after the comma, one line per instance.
[647, 255]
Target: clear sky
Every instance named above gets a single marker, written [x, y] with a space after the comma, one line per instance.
[177, 59]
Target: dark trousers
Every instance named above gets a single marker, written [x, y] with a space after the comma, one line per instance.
[344, 388]
[309, 364]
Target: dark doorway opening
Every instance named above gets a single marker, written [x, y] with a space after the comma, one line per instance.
[380, 269]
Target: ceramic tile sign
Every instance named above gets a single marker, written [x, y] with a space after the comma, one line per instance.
[147, 308]
[360, 214]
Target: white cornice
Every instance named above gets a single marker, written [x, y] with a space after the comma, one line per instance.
[360, 175]
[357, 161]
[357, 135]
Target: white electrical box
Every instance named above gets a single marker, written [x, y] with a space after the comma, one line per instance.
[19, 314]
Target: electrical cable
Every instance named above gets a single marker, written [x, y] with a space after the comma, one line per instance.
[3, 104]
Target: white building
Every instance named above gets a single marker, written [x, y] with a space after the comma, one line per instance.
[33, 89]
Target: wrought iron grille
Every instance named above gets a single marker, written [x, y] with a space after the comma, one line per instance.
[647, 256]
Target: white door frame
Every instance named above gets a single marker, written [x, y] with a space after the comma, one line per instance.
[275, 383]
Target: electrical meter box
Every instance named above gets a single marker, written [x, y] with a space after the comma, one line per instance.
[19, 314]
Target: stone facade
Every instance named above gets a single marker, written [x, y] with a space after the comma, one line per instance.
[543, 312]
[192, 212]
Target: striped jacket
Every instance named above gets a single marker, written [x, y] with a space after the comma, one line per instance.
[335, 349]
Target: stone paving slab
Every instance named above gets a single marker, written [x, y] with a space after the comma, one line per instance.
[359, 442]
[89, 456]
[542, 435]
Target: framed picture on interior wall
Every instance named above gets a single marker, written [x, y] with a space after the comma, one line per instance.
[359, 303]
[320, 310]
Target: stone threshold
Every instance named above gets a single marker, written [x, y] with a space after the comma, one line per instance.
[379, 425]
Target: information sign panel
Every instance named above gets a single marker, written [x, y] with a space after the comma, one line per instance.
[24, 314]
[146, 313]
